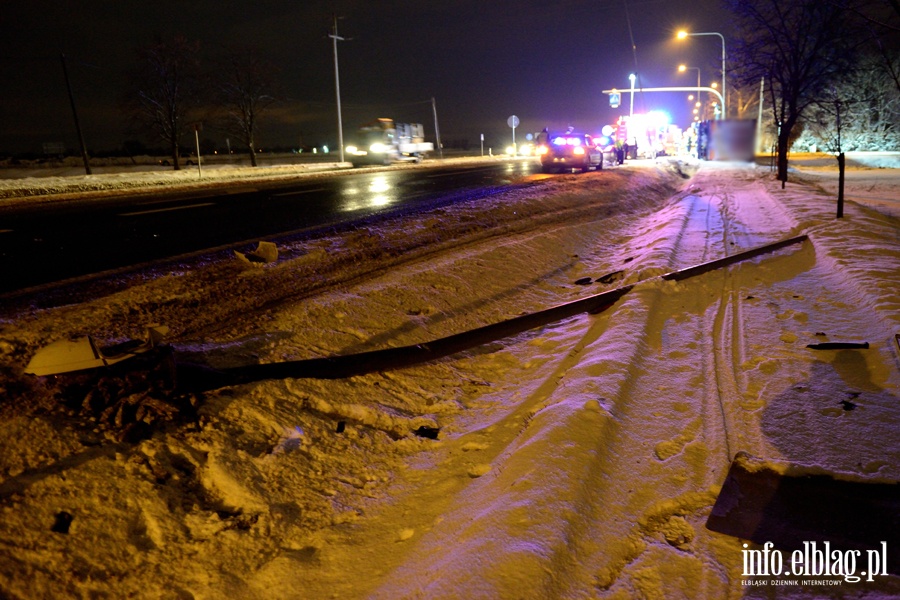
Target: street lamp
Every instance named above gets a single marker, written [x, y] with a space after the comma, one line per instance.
[683, 34]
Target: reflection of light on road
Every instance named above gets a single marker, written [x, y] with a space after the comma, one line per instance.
[377, 192]
[379, 185]
[519, 167]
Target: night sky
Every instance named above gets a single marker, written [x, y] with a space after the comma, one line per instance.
[544, 61]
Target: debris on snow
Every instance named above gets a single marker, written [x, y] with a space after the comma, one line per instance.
[839, 346]
[266, 252]
[66, 356]
[611, 277]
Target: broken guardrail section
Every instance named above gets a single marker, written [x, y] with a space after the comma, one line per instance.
[62, 357]
[336, 367]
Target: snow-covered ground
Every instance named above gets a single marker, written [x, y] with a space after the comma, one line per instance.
[871, 177]
[576, 460]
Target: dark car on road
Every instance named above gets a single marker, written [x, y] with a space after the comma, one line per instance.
[567, 151]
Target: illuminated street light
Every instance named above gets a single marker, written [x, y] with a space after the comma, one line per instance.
[683, 34]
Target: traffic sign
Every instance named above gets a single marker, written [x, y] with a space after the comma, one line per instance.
[513, 121]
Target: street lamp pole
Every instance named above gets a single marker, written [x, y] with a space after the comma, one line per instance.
[335, 38]
[632, 77]
[683, 34]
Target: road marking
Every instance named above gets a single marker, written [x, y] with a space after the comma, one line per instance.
[281, 195]
[159, 210]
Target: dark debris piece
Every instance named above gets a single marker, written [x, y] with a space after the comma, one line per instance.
[584, 281]
[427, 432]
[610, 277]
[839, 346]
[62, 523]
[848, 405]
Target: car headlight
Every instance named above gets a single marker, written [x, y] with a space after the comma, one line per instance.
[578, 150]
[352, 149]
[378, 147]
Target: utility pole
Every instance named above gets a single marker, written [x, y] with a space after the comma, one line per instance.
[759, 128]
[335, 38]
[84, 154]
[437, 132]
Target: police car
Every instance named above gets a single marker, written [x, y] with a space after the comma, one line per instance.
[567, 151]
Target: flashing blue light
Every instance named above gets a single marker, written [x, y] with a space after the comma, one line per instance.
[559, 141]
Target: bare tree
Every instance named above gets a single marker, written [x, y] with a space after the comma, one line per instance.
[744, 100]
[800, 48]
[164, 88]
[870, 107]
[881, 20]
[246, 88]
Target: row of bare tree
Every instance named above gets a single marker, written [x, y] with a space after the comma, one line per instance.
[806, 52]
[168, 93]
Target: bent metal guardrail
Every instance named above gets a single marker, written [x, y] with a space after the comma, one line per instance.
[336, 367]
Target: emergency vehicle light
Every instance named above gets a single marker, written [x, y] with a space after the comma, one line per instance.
[567, 141]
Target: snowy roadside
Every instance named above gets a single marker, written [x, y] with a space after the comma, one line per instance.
[20, 185]
[577, 460]
[870, 178]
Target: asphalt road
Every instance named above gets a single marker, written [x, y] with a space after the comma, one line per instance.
[45, 244]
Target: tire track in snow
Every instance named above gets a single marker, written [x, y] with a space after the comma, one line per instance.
[678, 462]
[692, 462]
[602, 530]
[727, 324]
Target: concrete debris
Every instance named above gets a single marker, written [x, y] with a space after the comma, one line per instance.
[266, 252]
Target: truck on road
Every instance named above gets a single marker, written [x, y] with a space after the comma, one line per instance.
[384, 142]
